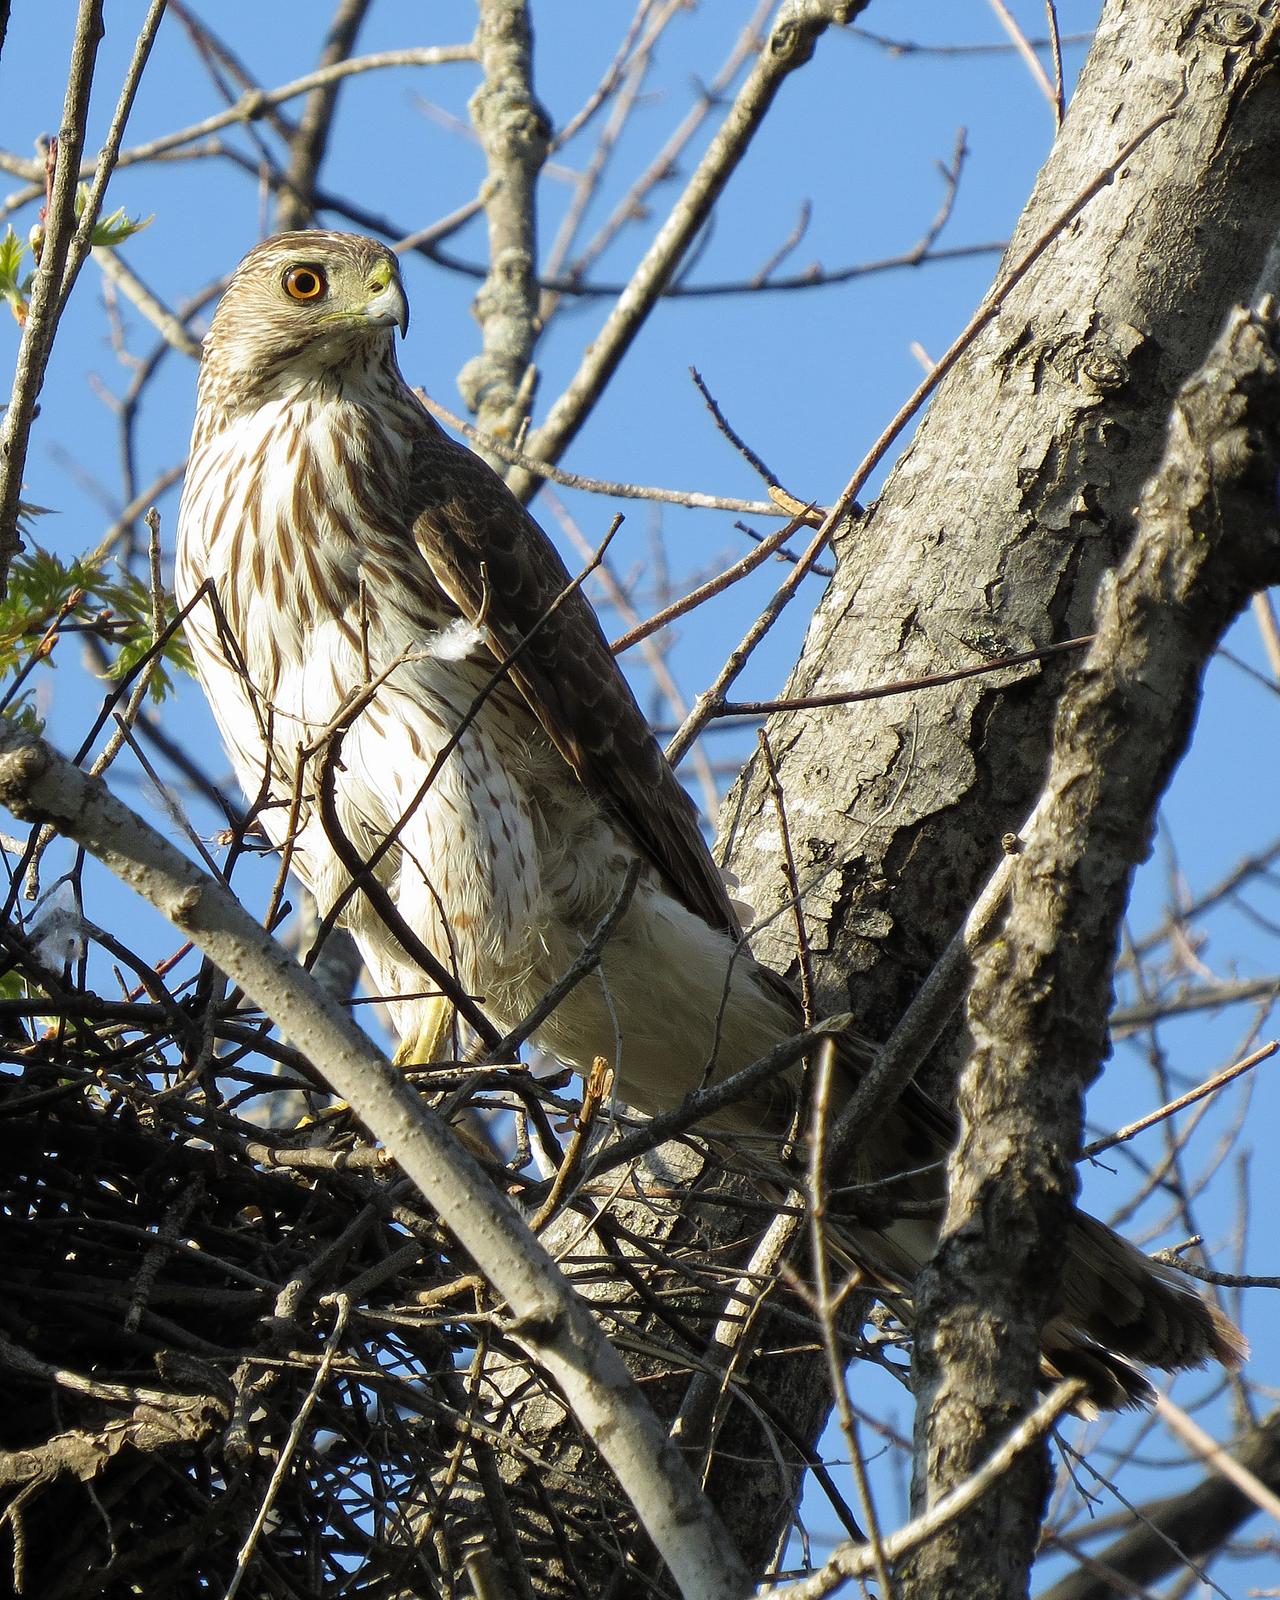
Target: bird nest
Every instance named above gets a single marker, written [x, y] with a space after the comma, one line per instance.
[244, 1357]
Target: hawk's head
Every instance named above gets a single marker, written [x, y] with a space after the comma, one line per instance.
[302, 308]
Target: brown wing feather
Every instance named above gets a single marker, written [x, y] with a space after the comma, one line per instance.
[496, 564]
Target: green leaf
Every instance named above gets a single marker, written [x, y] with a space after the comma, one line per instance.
[43, 588]
[15, 286]
[13, 986]
[115, 229]
[12, 250]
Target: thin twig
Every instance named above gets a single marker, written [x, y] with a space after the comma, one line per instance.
[701, 1104]
[826, 1308]
[932, 680]
[1216, 1456]
[1210, 1086]
[1023, 46]
[489, 444]
[754, 461]
[1055, 50]
[310, 138]
[586, 962]
[792, 877]
[285, 1460]
[256, 103]
[705, 591]
[595, 1090]
[46, 296]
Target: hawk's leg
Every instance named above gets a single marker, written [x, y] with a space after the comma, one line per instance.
[432, 1038]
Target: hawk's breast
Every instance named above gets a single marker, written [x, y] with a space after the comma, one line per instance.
[325, 626]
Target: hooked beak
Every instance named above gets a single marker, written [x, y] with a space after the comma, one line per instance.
[388, 306]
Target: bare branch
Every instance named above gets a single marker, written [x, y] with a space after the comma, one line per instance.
[46, 296]
[851, 1561]
[515, 132]
[1196, 1522]
[491, 444]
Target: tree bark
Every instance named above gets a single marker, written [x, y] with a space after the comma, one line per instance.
[1013, 499]
[1208, 537]
[990, 537]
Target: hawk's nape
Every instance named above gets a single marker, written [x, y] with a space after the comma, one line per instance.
[405, 675]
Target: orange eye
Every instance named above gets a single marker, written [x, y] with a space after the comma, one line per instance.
[305, 283]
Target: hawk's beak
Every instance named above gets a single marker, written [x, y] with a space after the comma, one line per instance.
[388, 306]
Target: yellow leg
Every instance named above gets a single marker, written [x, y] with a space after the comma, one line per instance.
[432, 1041]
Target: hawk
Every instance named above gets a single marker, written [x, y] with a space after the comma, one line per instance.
[412, 688]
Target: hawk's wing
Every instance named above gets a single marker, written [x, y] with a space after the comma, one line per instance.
[496, 564]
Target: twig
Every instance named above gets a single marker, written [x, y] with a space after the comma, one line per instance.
[1160, 1535]
[1224, 1280]
[951, 189]
[754, 461]
[1055, 49]
[285, 1460]
[625, 89]
[792, 878]
[1257, 864]
[701, 1104]
[1214, 1455]
[256, 102]
[488, 444]
[705, 591]
[594, 1091]
[1264, 612]
[586, 962]
[622, 63]
[653, 650]
[1208, 997]
[310, 138]
[1034, 64]
[172, 329]
[665, 161]
[46, 295]
[1210, 1086]
[792, 242]
[826, 1308]
[932, 680]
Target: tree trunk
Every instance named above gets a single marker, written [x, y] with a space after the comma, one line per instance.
[990, 538]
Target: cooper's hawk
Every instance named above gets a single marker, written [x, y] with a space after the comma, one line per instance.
[368, 576]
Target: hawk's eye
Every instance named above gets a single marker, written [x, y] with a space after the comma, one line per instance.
[305, 283]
